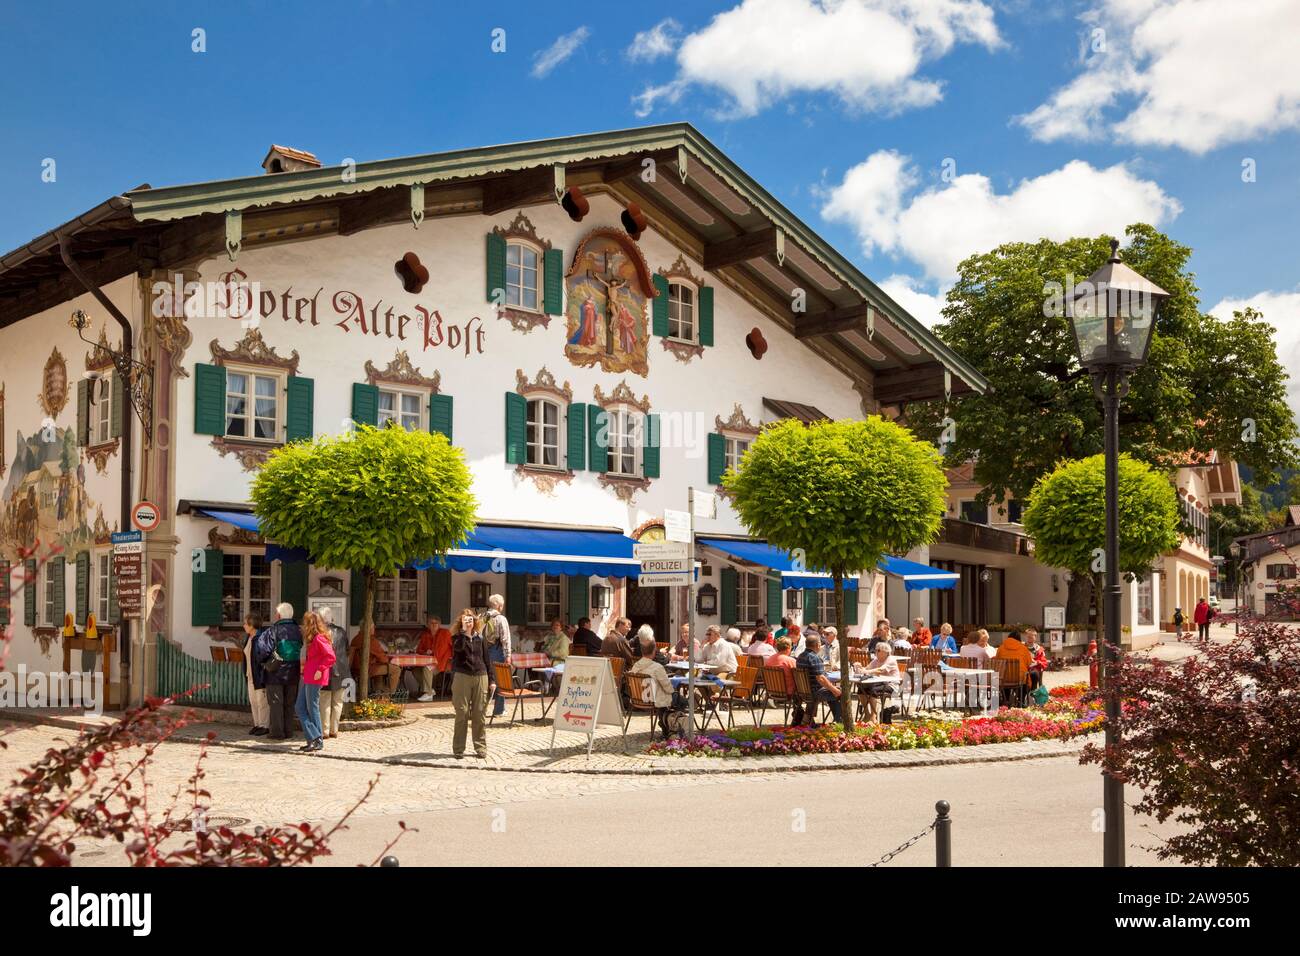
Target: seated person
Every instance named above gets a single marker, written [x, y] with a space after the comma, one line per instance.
[875, 694]
[586, 637]
[783, 630]
[1013, 649]
[783, 660]
[884, 632]
[902, 641]
[979, 647]
[435, 640]
[382, 671]
[831, 645]
[760, 648]
[1039, 656]
[666, 697]
[944, 641]
[616, 643]
[678, 652]
[921, 634]
[824, 690]
[556, 644]
[721, 654]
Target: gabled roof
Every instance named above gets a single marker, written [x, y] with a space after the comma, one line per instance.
[697, 197]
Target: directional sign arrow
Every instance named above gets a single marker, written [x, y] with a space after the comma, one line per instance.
[569, 715]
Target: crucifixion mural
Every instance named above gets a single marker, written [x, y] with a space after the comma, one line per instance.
[608, 288]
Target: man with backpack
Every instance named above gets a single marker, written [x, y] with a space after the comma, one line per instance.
[276, 651]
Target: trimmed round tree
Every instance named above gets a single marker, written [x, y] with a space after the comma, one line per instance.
[841, 494]
[1066, 517]
[371, 501]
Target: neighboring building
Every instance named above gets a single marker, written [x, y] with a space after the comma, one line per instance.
[1187, 573]
[1269, 579]
[592, 371]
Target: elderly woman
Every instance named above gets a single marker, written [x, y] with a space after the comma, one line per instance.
[980, 648]
[875, 693]
[944, 641]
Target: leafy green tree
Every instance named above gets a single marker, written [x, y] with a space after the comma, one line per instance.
[841, 494]
[1066, 516]
[372, 501]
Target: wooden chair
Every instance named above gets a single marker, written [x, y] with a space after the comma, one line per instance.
[926, 655]
[577, 650]
[661, 645]
[641, 699]
[804, 694]
[776, 694]
[744, 693]
[860, 655]
[855, 642]
[218, 654]
[508, 689]
[235, 655]
[617, 664]
[1011, 678]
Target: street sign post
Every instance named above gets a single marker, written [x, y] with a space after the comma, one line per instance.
[145, 516]
[663, 564]
[128, 571]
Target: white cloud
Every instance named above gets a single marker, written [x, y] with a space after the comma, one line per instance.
[1194, 74]
[866, 52]
[1282, 311]
[939, 226]
[907, 292]
[660, 40]
[544, 61]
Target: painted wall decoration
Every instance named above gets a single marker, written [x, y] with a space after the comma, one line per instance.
[2, 429]
[54, 384]
[608, 288]
[45, 497]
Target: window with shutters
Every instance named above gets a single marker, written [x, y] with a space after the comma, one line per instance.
[397, 598]
[254, 405]
[522, 260]
[545, 422]
[624, 429]
[681, 312]
[544, 591]
[101, 411]
[101, 566]
[735, 450]
[402, 407]
[750, 597]
[49, 583]
[826, 605]
[245, 588]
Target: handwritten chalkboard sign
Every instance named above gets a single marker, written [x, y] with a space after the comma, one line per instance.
[588, 698]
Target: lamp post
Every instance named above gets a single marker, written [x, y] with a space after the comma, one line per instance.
[1236, 550]
[1112, 315]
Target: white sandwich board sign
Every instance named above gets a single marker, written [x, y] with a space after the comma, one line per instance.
[588, 699]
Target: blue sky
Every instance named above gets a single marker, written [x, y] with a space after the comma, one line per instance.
[845, 109]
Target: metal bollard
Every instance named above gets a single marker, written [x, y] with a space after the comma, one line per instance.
[942, 835]
[389, 861]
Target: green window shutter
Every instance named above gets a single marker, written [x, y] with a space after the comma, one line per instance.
[553, 281]
[650, 452]
[365, 403]
[729, 584]
[437, 594]
[811, 605]
[496, 268]
[300, 404]
[717, 457]
[205, 599]
[517, 599]
[516, 433]
[116, 408]
[597, 437]
[58, 568]
[659, 323]
[706, 315]
[774, 608]
[6, 592]
[579, 597]
[440, 414]
[29, 592]
[293, 586]
[357, 588]
[850, 607]
[83, 587]
[83, 412]
[576, 442]
[209, 399]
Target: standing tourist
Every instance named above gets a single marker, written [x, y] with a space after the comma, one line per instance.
[277, 651]
[496, 637]
[469, 683]
[334, 694]
[1202, 614]
[317, 662]
[1178, 622]
[256, 689]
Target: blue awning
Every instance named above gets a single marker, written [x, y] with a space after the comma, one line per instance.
[918, 577]
[240, 519]
[773, 558]
[523, 550]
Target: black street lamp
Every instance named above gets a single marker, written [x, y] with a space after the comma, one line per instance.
[1112, 315]
[1236, 550]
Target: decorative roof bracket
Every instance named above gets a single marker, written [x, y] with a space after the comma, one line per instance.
[417, 204]
[234, 232]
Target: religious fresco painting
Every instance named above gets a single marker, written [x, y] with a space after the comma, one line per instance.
[608, 288]
[54, 384]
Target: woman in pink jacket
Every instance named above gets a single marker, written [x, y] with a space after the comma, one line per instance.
[317, 659]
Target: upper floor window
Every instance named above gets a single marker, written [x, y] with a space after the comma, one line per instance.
[544, 592]
[681, 312]
[974, 511]
[101, 425]
[1015, 510]
[624, 440]
[401, 408]
[253, 406]
[543, 438]
[521, 276]
[1281, 572]
[735, 450]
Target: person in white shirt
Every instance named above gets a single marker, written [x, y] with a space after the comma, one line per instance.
[801, 642]
[760, 649]
[980, 649]
[721, 654]
[830, 645]
[662, 686]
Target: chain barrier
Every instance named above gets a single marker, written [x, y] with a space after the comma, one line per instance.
[910, 843]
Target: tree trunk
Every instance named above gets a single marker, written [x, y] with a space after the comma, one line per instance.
[846, 693]
[367, 629]
[1078, 599]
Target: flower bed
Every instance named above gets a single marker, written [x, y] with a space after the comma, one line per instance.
[1065, 716]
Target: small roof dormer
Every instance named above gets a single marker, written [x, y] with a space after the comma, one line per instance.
[286, 159]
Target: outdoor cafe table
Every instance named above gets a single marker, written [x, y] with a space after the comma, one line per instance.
[533, 661]
[707, 693]
[408, 662]
[952, 676]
